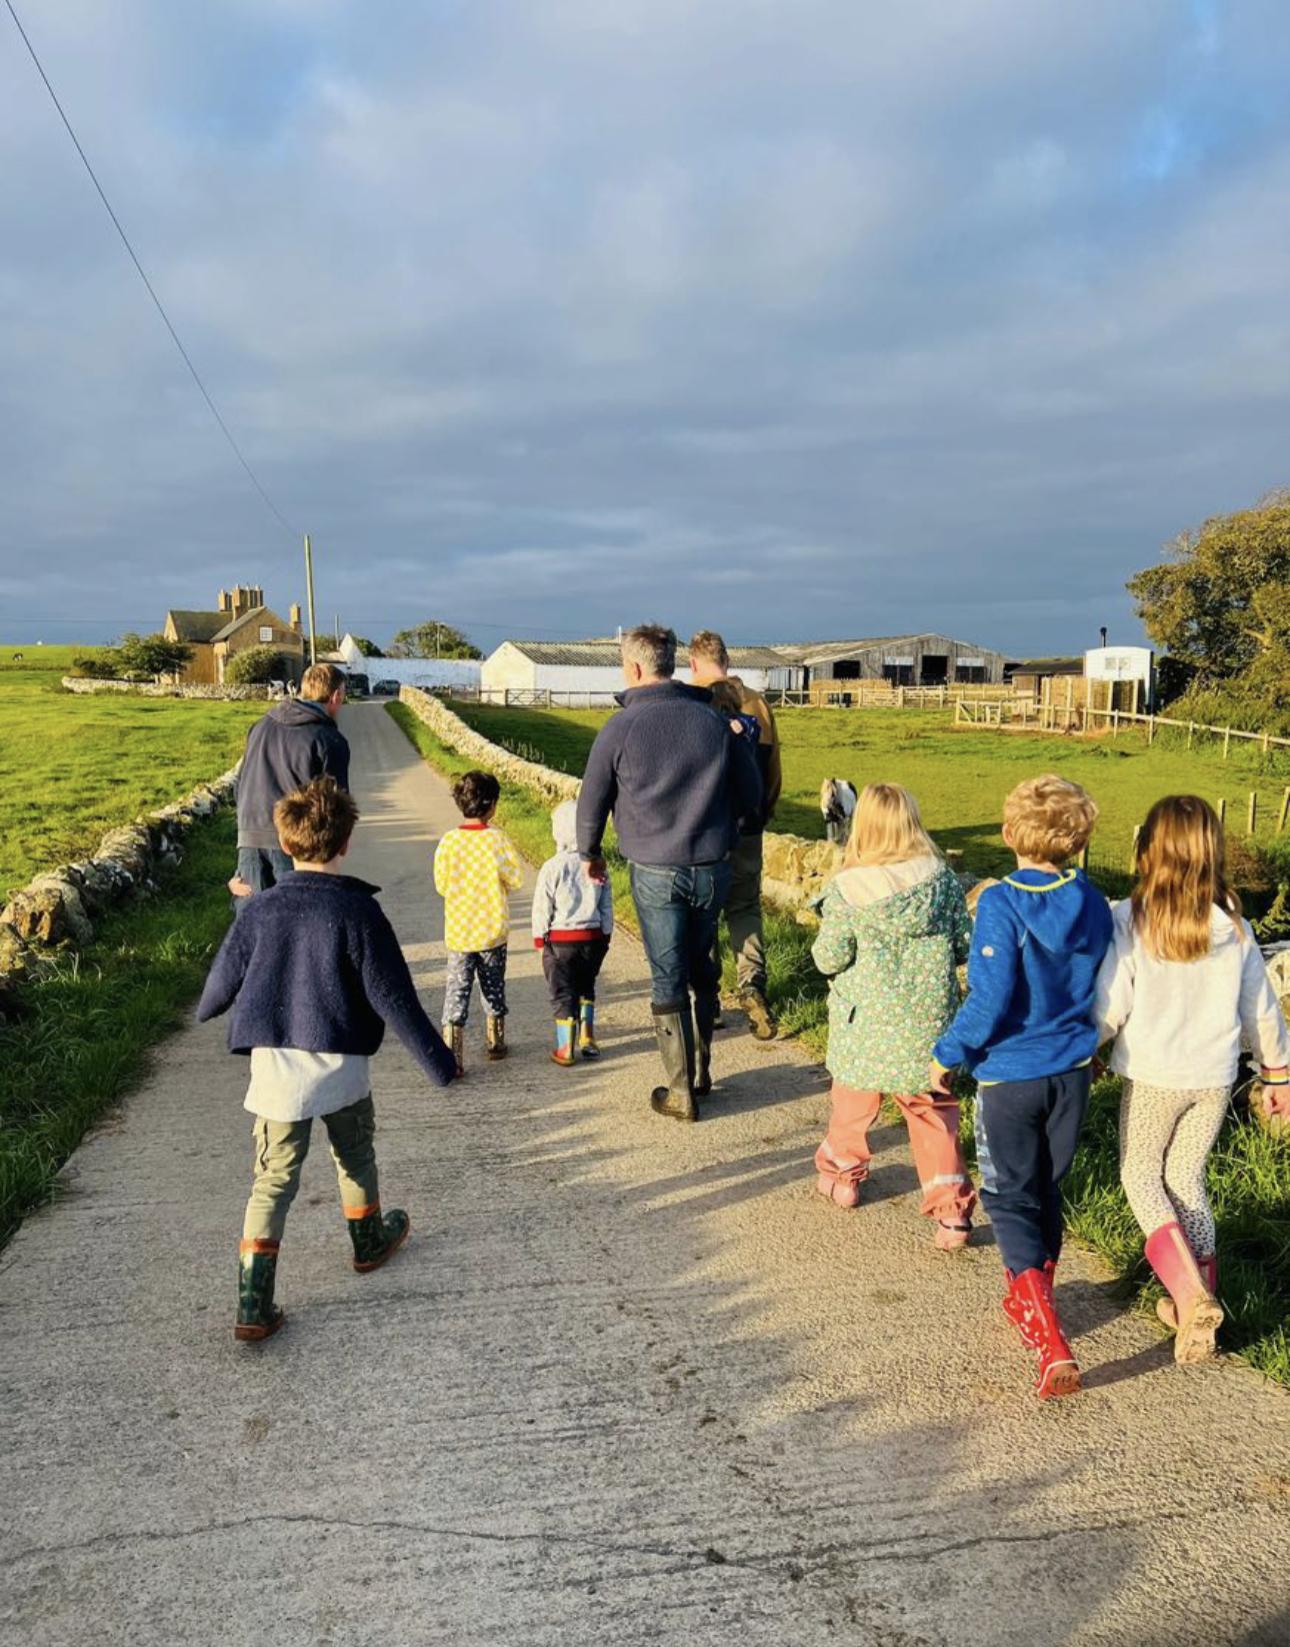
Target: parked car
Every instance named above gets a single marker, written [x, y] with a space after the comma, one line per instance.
[357, 685]
[386, 689]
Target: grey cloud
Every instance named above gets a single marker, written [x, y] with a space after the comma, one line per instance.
[826, 317]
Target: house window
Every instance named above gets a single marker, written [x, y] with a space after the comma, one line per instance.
[266, 632]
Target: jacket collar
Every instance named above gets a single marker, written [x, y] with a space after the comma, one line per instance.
[662, 689]
[473, 823]
[333, 883]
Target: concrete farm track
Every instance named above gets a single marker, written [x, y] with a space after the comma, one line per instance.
[628, 1383]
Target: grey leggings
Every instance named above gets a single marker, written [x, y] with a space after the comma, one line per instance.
[1166, 1135]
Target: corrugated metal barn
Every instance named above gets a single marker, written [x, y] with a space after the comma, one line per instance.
[925, 659]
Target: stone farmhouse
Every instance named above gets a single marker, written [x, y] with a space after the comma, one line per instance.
[240, 621]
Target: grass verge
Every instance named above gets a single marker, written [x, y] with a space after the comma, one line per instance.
[92, 1025]
[1249, 1171]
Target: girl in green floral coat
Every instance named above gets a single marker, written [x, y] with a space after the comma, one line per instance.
[894, 929]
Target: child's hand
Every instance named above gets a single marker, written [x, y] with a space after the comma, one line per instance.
[1276, 1092]
[938, 1080]
[240, 888]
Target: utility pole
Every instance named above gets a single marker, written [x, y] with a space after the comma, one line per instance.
[309, 586]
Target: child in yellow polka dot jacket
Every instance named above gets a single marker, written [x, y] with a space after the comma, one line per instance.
[475, 867]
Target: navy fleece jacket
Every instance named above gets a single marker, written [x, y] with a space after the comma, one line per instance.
[1037, 945]
[673, 775]
[313, 963]
[296, 742]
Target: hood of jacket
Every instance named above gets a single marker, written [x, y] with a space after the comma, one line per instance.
[300, 712]
[1053, 909]
[564, 826]
[900, 907]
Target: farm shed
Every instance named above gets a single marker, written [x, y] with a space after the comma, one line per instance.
[593, 667]
[924, 659]
[454, 674]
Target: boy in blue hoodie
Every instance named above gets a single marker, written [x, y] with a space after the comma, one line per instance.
[1028, 1032]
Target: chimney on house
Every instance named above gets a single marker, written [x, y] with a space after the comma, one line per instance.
[295, 616]
[226, 603]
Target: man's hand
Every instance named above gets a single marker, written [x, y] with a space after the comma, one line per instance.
[240, 888]
[938, 1080]
[597, 869]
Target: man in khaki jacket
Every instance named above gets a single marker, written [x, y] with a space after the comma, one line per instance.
[709, 666]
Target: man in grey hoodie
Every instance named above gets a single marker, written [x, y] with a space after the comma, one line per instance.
[296, 742]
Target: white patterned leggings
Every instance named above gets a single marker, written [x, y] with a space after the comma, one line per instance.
[1166, 1135]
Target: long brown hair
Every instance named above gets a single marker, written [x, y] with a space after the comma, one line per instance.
[1182, 875]
[886, 828]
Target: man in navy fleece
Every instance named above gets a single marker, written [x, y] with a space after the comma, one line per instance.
[677, 781]
[313, 972]
[1028, 1032]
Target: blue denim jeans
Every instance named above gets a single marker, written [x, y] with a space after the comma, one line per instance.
[262, 866]
[678, 908]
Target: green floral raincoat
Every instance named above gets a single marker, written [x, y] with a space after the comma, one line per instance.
[891, 962]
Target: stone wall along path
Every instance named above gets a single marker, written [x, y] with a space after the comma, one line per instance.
[629, 1382]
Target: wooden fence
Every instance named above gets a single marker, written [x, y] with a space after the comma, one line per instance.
[862, 694]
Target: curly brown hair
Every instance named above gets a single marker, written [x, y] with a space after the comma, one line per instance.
[476, 794]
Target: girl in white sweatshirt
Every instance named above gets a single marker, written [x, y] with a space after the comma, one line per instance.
[1182, 985]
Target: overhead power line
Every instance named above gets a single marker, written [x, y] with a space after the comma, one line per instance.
[160, 307]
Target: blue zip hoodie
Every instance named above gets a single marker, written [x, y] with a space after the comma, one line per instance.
[1032, 977]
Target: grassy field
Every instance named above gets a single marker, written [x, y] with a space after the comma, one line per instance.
[89, 1029]
[72, 767]
[961, 779]
[960, 776]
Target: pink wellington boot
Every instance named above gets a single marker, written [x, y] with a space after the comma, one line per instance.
[842, 1192]
[1191, 1309]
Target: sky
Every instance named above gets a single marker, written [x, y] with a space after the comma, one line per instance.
[798, 319]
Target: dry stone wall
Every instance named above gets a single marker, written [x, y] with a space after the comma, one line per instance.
[87, 686]
[453, 731]
[59, 909]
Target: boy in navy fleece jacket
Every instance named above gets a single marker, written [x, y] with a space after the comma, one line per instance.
[1028, 1032]
[313, 972]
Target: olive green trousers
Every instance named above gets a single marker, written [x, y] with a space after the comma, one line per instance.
[280, 1150]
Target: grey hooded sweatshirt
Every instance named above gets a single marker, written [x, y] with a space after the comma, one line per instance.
[565, 899]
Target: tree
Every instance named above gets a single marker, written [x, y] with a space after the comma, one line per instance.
[1221, 600]
[254, 667]
[368, 648]
[432, 640]
[151, 655]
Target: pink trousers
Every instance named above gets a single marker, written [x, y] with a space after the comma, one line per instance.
[933, 1136]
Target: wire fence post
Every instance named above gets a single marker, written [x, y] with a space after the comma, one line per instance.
[1253, 816]
[1222, 810]
[1227, 740]
[1285, 811]
[1133, 850]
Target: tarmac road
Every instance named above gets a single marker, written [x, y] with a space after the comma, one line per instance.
[629, 1382]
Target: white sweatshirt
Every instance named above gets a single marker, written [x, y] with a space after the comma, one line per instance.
[1181, 1024]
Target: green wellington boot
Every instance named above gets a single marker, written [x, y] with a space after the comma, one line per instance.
[257, 1315]
[706, 1011]
[588, 1046]
[674, 1032]
[376, 1236]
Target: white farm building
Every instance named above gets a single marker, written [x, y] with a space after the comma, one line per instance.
[590, 671]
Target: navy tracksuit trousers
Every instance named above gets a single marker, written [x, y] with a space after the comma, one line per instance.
[1026, 1133]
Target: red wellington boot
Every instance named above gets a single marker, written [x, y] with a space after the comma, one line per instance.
[1058, 1373]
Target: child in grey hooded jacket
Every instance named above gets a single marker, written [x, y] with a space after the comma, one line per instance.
[573, 918]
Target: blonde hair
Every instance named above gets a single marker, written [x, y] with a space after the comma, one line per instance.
[1049, 818]
[886, 828]
[1181, 876]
